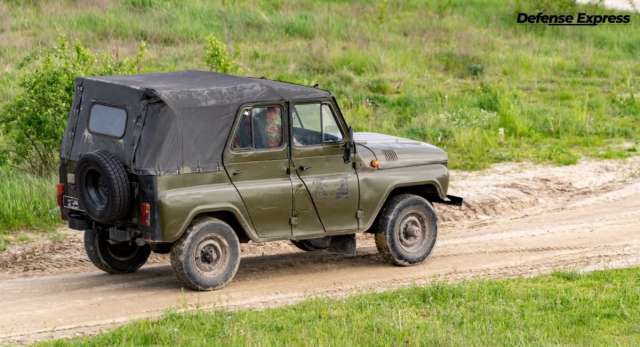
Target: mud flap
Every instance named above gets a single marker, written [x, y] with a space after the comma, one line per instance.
[343, 244]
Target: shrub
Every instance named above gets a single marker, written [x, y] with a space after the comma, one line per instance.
[216, 56]
[33, 122]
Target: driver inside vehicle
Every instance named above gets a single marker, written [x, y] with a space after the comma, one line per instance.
[261, 128]
[269, 125]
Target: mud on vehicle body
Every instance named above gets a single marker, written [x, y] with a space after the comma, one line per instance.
[195, 163]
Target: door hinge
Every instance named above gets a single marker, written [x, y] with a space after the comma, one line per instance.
[293, 220]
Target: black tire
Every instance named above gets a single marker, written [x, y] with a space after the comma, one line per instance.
[103, 186]
[406, 230]
[119, 258]
[207, 256]
[312, 244]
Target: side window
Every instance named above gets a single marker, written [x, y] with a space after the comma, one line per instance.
[314, 124]
[107, 120]
[259, 128]
[330, 130]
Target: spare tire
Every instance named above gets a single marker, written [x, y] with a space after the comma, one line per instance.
[103, 186]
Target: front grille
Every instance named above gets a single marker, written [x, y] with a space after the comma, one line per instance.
[390, 154]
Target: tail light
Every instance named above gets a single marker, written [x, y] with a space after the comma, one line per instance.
[145, 214]
[59, 193]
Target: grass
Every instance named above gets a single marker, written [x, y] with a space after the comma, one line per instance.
[460, 74]
[453, 73]
[26, 202]
[566, 308]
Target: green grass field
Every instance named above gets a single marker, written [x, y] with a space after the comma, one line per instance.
[563, 309]
[460, 74]
[26, 202]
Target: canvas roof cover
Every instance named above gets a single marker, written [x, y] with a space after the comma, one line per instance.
[177, 122]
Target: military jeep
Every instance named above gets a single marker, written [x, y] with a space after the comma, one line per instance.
[195, 163]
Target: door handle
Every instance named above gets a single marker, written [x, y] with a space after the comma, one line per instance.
[304, 168]
[235, 172]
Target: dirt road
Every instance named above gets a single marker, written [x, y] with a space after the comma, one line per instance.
[520, 220]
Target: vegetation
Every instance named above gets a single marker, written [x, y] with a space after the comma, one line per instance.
[26, 202]
[460, 74]
[34, 120]
[597, 309]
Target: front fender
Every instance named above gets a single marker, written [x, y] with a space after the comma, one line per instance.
[377, 185]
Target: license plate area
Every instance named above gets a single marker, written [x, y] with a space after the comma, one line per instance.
[71, 203]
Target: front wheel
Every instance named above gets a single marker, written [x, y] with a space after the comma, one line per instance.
[114, 258]
[207, 256]
[407, 230]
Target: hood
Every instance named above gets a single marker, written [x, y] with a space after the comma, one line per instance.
[394, 151]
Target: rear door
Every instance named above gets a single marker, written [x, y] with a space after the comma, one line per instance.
[317, 160]
[107, 117]
[257, 161]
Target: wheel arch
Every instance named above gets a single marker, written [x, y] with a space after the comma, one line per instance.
[430, 191]
[228, 215]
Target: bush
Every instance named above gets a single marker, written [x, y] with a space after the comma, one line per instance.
[34, 121]
[216, 56]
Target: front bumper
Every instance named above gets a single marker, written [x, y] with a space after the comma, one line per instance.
[451, 200]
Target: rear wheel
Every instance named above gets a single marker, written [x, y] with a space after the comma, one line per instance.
[207, 256]
[407, 230]
[312, 244]
[114, 258]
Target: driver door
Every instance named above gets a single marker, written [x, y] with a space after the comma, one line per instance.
[330, 183]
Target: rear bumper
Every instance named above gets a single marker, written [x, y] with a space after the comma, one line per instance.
[79, 222]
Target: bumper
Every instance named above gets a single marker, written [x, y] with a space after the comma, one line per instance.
[451, 200]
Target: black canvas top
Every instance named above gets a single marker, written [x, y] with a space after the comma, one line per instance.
[176, 122]
[218, 87]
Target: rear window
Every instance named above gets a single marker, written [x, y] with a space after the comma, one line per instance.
[107, 120]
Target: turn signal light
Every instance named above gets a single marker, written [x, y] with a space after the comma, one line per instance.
[145, 214]
[59, 193]
[375, 164]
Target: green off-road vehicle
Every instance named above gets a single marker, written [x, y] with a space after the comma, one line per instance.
[194, 163]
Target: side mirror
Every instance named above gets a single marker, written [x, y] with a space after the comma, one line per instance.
[349, 146]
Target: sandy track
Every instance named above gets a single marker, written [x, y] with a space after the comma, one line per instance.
[520, 220]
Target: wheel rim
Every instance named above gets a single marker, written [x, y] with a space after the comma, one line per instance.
[97, 188]
[412, 233]
[211, 255]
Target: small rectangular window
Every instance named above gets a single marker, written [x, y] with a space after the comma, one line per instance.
[107, 120]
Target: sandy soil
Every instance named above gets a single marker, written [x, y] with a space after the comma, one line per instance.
[518, 220]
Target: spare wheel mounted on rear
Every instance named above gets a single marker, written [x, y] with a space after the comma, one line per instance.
[103, 186]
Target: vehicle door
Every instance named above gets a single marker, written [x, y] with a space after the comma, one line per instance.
[318, 148]
[257, 161]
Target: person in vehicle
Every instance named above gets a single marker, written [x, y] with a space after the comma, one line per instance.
[264, 126]
[268, 128]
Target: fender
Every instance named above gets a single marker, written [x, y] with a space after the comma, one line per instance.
[389, 189]
[205, 209]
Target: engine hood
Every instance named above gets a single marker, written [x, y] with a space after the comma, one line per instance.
[394, 151]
